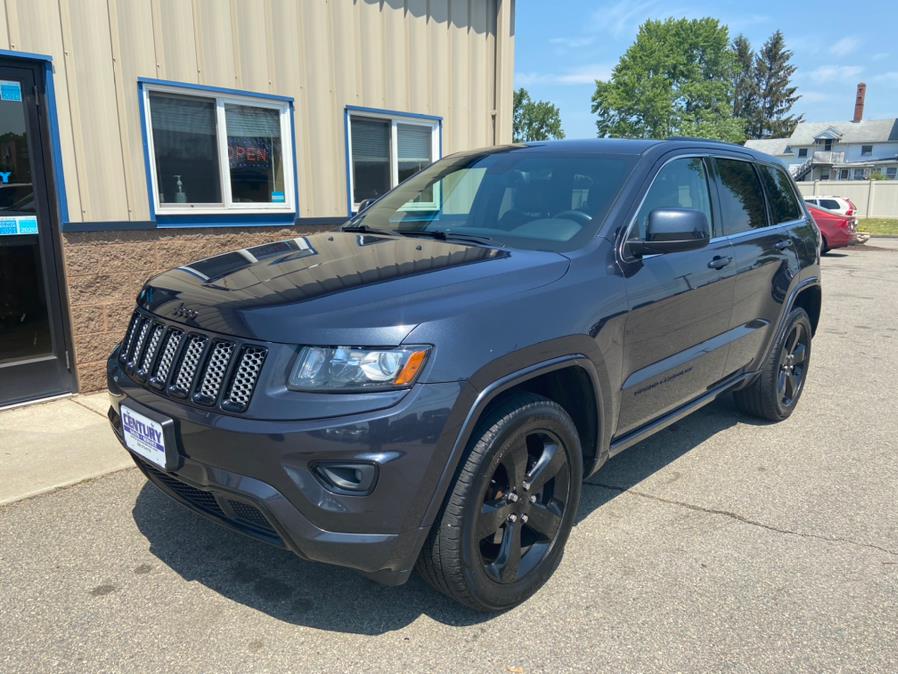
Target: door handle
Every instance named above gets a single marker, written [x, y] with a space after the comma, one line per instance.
[782, 244]
[719, 261]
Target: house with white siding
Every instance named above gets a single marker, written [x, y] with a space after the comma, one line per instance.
[854, 150]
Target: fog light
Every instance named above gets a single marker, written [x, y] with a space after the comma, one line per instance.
[347, 478]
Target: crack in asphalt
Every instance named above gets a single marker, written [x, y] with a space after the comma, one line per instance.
[741, 518]
[89, 409]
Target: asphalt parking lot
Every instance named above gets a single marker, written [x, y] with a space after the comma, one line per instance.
[722, 544]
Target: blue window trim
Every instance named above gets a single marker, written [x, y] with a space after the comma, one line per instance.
[62, 202]
[360, 110]
[226, 218]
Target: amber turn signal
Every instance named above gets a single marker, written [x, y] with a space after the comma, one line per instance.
[412, 366]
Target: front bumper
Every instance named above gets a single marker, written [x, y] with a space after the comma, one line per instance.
[258, 476]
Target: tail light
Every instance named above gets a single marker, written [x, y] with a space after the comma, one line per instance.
[852, 209]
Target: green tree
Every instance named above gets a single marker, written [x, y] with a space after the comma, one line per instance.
[745, 88]
[675, 79]
[773, 83]
[534, 120]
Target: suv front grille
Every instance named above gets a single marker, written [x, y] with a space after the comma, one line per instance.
[206, 370]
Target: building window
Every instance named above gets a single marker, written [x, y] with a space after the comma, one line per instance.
[866, 150]
[843, 174]
[859, 174]
[385, 149]
[213, 152]
[802, 152]
[892, 172]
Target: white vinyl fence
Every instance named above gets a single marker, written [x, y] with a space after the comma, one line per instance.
[873, 198]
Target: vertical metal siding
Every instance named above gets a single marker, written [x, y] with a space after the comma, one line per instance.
[435, 57]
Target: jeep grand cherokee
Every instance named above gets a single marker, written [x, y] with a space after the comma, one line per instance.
[429, 386]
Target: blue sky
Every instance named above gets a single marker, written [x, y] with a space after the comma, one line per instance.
[562, 46]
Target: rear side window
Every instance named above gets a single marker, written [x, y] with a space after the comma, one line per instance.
[831, 204]
[683, 183]
[783, 204]
[741, 198]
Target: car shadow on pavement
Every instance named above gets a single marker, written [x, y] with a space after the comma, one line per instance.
[278, 583]
[637, 463]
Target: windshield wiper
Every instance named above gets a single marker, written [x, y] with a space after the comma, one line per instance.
[365, 229]
[443, 235]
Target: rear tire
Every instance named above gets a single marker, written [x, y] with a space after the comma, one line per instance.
[775, 392]
[824, 246]
[502, 530]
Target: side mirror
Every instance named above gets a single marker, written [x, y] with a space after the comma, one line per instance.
[672, 230]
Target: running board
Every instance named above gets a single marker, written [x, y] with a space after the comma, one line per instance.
[634, 437]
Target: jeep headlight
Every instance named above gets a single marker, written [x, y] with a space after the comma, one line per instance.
[348, 369]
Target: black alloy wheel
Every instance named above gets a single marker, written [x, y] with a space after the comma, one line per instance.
[793, 364]
[502, 530]
[523, 506]
[774, 393]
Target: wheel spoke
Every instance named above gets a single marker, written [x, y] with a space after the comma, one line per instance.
[515, 463]
[544, 519]
[800, 353]
[792, 381]
[793, 339]
[493, 515]
[547, 466]
[781, 382]
[505, 566]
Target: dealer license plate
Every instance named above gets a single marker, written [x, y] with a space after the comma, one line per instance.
[143, 436]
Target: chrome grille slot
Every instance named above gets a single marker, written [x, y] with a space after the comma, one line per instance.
[190, 362]
[133, 326]
[169, 351]
[244, 380]
[214, 374]
[138, 345]
[149, 355]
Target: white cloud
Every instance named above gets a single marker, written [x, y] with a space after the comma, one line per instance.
[624, 17]
[890, 77]
[573, 41]
[814, 96]
[583, 75]
[879, 56]
[832, 73]
[847, 45]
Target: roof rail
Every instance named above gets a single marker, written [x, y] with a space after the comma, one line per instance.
[704, 140]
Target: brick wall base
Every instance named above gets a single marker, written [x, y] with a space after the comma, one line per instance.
[105, 271]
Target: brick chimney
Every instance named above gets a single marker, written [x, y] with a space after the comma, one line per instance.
[859, 102]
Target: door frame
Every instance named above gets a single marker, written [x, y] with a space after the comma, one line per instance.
[40, 106]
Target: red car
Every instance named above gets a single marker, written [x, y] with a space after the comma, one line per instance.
[838, 230]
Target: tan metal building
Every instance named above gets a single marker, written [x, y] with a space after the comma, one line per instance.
[136, 135]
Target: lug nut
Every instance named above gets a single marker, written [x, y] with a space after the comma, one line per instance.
[526, 485]
[524, 519]
[512, 498]
[533, 498]
[512, 518]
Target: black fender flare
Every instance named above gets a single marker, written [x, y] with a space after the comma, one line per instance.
[484, 396]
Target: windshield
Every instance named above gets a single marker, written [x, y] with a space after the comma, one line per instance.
[518, 197]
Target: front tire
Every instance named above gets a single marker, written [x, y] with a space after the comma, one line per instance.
[502, 531]
[775, 393]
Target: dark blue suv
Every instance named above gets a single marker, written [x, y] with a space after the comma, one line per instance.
[429, 386]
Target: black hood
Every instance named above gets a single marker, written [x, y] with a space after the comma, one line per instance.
[342, 287]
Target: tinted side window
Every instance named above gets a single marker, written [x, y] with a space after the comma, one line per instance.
[741, 197]
[783, 204]
[831, 204]
[683, 183]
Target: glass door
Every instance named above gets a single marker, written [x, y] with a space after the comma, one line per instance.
[34, 351]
